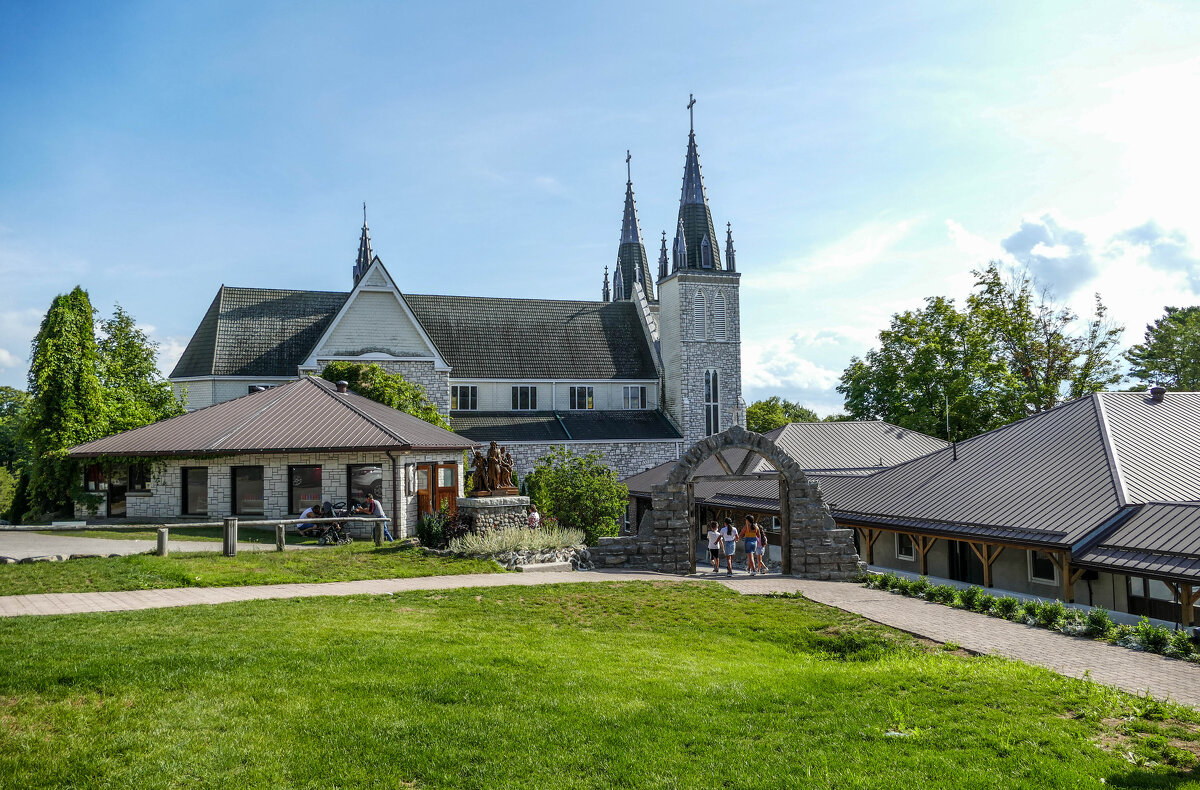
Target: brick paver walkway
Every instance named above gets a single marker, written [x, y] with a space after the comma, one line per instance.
[1113, 666]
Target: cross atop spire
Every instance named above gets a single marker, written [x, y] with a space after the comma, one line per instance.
[695, 218]
[631, 255]
[363, 261]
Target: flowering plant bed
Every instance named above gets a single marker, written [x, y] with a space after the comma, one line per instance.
[1054, 615]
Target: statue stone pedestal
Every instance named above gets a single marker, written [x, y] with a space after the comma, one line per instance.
[495, 512]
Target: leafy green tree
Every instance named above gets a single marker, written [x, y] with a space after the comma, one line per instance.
[135, 392]
[775, 412]
[391, 389]
[1035, 337]
[930, 361]
[578, 490]
[8, 490]
[1170, 352]
[66, 404]
[12, 410]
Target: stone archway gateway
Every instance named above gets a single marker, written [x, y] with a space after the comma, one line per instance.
[813, 546]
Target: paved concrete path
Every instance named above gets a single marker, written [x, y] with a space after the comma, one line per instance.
[1129, 670]
[32, 544]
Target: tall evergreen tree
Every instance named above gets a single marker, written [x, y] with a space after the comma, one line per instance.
[1170, 353]
[135, 393]
[66, 405]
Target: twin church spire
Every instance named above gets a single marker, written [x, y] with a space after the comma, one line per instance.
[695, 245]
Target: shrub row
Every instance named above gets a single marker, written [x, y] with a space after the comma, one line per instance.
[1053, 615]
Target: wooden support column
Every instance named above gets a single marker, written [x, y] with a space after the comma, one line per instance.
[1187, 595]
[987, 554]
[867, 537]
[923, 544]
[1066, 574]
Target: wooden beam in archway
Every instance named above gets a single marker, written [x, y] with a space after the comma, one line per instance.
[987, 554]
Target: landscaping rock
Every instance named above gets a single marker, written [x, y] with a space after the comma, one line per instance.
[8, 560]
[43, 558]
[86, 556]
[546, 567]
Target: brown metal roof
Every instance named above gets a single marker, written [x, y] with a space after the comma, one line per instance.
[304, 415]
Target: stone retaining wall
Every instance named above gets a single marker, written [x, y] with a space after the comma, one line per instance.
[495, 512]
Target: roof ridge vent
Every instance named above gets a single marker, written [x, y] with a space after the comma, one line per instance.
[1157, 393]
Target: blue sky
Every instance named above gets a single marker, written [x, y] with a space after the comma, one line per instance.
[867, 154]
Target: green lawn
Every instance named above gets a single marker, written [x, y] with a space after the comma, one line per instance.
[358, 560]
[245, 534]
[632, 685]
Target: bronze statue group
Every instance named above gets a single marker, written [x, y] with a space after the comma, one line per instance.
[492, 474]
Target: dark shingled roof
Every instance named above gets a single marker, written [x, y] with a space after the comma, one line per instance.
[258, 332]
[486, 337]
[264, 332]
[304, 415]
[548, 426]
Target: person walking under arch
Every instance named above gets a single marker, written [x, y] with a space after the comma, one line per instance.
[729, 538]
[714, 546]
[749, 534]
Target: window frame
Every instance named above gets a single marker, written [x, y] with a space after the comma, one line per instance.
[530, 393]
[589, 397]
[642, 397]
[1033, 578]
[184, 485]
[911, 556]
[139, 479]
[292, 486]
[712, 401]
[350, 500]
[234, 505]
[472, 397]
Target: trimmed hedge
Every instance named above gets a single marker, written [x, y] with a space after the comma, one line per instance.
[1052, 615]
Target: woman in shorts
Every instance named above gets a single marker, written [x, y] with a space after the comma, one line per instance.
[749, 534]
[729, 539]
[762, 549]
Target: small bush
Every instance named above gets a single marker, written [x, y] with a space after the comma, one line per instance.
[1153, 638]
[969, 598]
[1181, 645]
[902, 586]
[883, 581]
[1006, 607]
[1099, 623]
[1050, 614]
[1030, 611]
[919, 588]
[941, 593]
[984, 603]
[492, 542]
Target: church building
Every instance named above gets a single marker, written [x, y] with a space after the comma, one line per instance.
[638, 376]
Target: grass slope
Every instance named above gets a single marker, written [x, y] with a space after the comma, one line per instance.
[359, 560]
[583, 686]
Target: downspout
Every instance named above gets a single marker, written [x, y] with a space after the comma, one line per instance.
[395, 497]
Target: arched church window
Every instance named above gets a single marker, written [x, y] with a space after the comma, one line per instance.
[698, 311]
[718, 313]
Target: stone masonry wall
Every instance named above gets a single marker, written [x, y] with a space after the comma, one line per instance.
[626, 458]
[435, 382]
[495, 512]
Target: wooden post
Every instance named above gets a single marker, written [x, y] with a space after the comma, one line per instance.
[1187, 599]
[280, 537]
[229, 536]
[987, 554]
[377, 532]
[923, 544]
[1066, 574]
[162, 542]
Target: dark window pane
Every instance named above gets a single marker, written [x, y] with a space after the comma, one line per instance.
[533, 397]
[304, 488]
[139, 478]
[364, 479]
[248, 490]
[195, 491]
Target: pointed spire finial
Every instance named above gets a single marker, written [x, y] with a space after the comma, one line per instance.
[628, 172]
[730, 262]
[365, 256]
[605, 292]
[364, 213]
[691, 117]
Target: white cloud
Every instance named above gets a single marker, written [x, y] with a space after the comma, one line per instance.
[849, 257]
[170, 349]
[9, 360]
